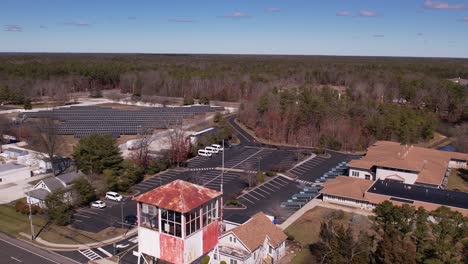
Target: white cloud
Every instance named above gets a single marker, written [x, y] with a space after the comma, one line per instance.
[443, 5]
[13, 28]
[237, 15]
[367, 13]
[344, 13]
[273, 10]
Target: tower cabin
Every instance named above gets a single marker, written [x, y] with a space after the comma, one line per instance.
[178, 222]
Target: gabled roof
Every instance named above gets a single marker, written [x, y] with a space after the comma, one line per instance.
[69, 177]
[253, 233]
[349, 187]
[40, 194]
[429, 164]
[53, 184]
[179, 195]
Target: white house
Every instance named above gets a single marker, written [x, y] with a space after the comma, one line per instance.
[14, 153]
[39, 192]
[13, 172]
[256, 241]
[406, 163]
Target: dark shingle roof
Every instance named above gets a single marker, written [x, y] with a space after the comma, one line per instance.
[40, 194]
[68, 177]
[53, 184]
[420, 193]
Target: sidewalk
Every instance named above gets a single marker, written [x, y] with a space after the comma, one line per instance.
[66, 247]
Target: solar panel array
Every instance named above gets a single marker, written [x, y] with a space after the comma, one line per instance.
[84, 120]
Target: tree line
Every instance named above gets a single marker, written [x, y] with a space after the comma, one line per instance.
[400, 234]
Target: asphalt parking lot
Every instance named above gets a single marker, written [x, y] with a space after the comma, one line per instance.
[268, 197]
[317, 166]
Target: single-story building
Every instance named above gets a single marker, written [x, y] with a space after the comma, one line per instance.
[14, 153]
[39, 192]
[366, 194]
[406, 163]
[256, 241]
[13, 172]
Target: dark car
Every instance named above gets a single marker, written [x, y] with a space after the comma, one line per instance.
[131, 220]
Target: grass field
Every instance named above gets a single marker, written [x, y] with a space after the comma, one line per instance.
[13, 223]
[455, 182]
[306, 230]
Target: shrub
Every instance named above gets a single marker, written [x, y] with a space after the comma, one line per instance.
[270, 173]
[188, 101]
[205, 260]
[260, 177]
[233, 202]
[223, 262]
[22, 207]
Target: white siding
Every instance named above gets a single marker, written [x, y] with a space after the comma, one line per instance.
[193, 246]
[148, 242]
[359, 174]
[457, 164]
[409, 178]
[347, 202]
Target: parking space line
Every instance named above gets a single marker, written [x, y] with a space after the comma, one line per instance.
[281, 180]
[266, 187]
[246, 200]
[251, 196]
[255, 191]
[260, 189]
[274, 186]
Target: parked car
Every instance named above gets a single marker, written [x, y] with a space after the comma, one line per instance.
[114, 196]
[218, 147]
[212, 150]
[98, 204]
[204, 153]
[131, 220]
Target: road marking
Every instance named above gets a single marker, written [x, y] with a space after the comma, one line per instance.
[89, 254]
[273, 185]
[246, 200]
[268, 188]
[134, 240]
[255, 191]
[251, 196]
[29, 251]
[260, 189]
[13, 258]
[281, 180]
[105, 252]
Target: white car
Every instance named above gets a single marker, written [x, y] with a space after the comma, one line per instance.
[114, 196]
[212, 150]
[204, 153]
[218, 147]
[98, 204]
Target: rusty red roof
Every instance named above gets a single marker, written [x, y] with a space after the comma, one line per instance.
[179, 195]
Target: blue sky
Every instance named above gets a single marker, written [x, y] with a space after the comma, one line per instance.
[312, 27]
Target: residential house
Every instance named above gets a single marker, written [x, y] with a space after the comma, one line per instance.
[39, 192]
[256, 241]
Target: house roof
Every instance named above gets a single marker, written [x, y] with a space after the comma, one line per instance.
[179, 195]
[429, 164]
[68, 177]
[53, 184]
[253, 233]
[10, 166]
[40, 194]
[349, 187]
[15, 150]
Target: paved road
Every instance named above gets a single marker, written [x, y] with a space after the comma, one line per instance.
[244, 137]
[17, 251]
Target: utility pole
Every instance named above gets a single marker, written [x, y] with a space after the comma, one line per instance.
[30, 215]
[121, 213]
[222, 171]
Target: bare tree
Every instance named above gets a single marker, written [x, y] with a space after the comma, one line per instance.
[140, 153]
[44, 139]
[179, 146]
[4, 128]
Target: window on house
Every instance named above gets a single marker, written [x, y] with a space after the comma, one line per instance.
[367, 177]
[235, 240]
[171, 222]
[215, 256]
[210, 212]
[233, 261]
[192, 221]
[230, 239]
[149, 216]
[270, 250]
[355, 173]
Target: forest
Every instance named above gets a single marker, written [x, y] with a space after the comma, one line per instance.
[326, 101]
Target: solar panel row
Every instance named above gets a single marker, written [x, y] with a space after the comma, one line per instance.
[84, 120]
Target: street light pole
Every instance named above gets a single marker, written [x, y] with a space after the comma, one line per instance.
[30, 215]
[222, 172]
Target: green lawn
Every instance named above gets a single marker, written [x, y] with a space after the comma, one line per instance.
[455, 182]
[12, 223]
